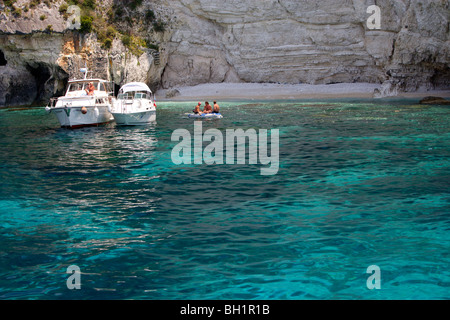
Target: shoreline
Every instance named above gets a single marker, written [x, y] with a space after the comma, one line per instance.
[271, 91]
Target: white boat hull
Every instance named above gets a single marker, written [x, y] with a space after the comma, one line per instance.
[73, 117]
[135, 118]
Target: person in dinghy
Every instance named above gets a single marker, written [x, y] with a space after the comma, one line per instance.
[207, 113]
[197, 109]
[216, 108]
[207, 108]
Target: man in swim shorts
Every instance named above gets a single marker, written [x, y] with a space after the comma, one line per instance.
[197, 109]
[207, 108]
[90, 89]
[216, 107]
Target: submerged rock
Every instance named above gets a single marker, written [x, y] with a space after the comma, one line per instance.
[434, 100]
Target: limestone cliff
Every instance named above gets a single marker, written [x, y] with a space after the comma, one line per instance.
[286, 41]
[307, 41]
[39, 52]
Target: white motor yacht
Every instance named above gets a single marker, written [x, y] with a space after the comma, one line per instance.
[86, 103]
[134, 105]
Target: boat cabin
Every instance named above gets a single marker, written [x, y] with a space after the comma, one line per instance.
[77, 88]
[135, 91]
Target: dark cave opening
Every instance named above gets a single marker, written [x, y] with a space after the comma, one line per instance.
[49, 81]
[3, 61]
[41, 73]
[116, 89]
[441, 79]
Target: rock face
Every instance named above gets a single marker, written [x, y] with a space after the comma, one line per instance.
[38, 56]
[29, 73]
[307, 41]
[38, 65]
[285, 41]
[116, 65]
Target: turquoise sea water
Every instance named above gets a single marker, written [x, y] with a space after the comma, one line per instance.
[360, 183]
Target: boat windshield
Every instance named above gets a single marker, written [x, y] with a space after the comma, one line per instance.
[133, 95]
[141, 95]
[81, 86]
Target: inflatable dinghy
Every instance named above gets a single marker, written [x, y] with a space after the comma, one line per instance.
[205, 115]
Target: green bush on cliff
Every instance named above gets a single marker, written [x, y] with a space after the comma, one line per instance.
[86, 24]
[89, 4]
[118, 13]
[107, 43]
[63, 8]
[101, 19]
[9, 3]
[111, 32]
[150, 15]
[105, 33]
[134, 4]
[34, 3]
[17, 11]
[126, 40]
[133, 44]
[150, 45]
[84, 4]
[159, 26]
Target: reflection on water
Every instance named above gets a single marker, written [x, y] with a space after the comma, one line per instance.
[359, 183]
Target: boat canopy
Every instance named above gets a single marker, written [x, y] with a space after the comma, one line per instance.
[135, 86]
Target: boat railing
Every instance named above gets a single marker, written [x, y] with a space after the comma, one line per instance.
[52, 102]
[86, 97]
[75, 102]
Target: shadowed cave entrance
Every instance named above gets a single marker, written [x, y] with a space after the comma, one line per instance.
[3, 61]
[49, 81]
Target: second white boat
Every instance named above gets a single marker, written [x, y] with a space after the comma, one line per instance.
[134, 105]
